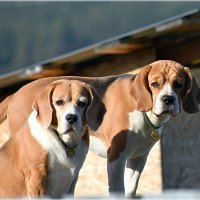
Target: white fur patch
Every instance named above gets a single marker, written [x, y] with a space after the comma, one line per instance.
[49, 141]
[62, 169]
[136, 121]
[160, 106]
[139, 140]
[98, 147]
[63, 124]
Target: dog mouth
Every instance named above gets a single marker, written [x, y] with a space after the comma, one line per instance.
[69, 133]
[70, 130]
[64, 137]
[167, 112]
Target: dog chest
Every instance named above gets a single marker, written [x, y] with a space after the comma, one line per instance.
[62, 172]
[61, 168]
[59, 180]
[138, 143]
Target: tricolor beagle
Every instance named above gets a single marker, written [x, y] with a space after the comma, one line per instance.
[45, 155]
[137, 108]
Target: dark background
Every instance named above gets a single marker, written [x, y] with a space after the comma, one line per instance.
[31, 32]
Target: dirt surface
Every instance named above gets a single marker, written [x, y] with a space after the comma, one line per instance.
[93, 177]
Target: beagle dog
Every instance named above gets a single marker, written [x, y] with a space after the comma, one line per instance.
[137, 107]
[44, 156]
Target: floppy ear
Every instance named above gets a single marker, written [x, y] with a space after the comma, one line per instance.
[140, 90]
[95, 110]
[42, 105]
[191, 101]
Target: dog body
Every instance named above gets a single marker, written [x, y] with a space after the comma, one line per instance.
[136, 109]
[38, 166]
[46, 154]
[63, 168]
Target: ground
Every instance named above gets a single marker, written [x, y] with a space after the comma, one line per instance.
[93, 178]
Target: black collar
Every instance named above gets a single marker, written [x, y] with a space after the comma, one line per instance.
[149, 122]
[155, 136]
[70, 151]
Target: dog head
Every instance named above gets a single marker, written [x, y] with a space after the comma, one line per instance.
[66, 106]
[163, 86]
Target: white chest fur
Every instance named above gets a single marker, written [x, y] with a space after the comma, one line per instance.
[61, 176]
[62, 169]
[98, 147]
[139, 141]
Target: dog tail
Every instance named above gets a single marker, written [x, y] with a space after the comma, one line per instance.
[4, 107]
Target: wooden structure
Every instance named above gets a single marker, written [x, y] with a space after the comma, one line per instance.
[176, 38]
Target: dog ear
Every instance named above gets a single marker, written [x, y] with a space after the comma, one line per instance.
[140, 91]
[191, 99]
[42, 104]
[95, 110]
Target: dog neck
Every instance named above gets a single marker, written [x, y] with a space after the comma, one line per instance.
[156, 124]
[155, 121]
[70, 150]
[147, 124]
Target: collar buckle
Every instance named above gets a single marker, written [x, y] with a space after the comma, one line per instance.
[71, 151]
[155, 136]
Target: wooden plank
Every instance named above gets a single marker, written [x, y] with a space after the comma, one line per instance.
[183, 51]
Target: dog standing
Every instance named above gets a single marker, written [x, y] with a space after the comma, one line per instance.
[137, 108]
[44, 157]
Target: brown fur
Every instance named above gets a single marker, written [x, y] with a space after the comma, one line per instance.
[111, 90]
[121, 95]
[23, 166]
[24, 162]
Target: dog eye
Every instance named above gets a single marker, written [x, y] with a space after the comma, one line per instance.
[59, 102]
[81, 103]
[177, 84]
[155, 85]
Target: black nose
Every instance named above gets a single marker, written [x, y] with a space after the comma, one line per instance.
[168, 100]
[71, 118]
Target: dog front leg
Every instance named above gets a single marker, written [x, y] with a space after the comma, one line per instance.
[133, 170]
[116, 175]
[35, 181]
[73, 185]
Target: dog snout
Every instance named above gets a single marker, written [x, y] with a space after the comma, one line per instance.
[168, 100]
[71, 118]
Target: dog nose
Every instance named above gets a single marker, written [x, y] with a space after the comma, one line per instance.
[71, 118]
[168, 100]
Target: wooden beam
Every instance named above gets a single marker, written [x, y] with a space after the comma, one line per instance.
[184, 51]
[118, 64]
